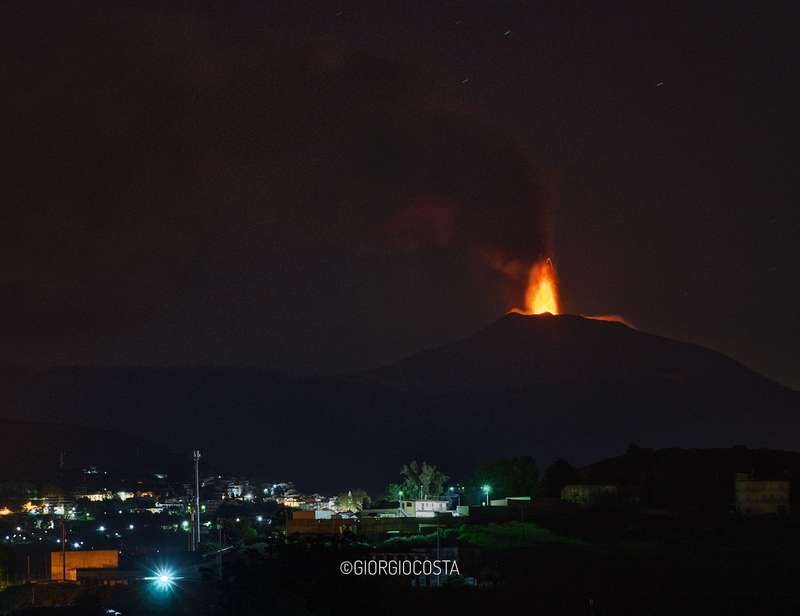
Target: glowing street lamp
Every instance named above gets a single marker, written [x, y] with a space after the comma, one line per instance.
[486, 488]
[163, 579]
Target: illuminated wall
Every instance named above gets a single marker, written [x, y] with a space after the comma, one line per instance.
[586, 494]
[82, 559]
[758, 497]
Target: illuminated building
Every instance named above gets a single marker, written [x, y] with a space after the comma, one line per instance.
[424, 508]
[586, 494]
[754, 497]
[61, 569]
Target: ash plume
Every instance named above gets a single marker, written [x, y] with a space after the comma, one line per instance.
[186, 152]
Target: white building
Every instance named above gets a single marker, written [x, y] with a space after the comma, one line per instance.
[424, 508]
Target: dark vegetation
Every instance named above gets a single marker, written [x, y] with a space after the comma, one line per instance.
[622, 564]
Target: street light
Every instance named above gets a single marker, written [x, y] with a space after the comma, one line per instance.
[486, 488]
[163, 579]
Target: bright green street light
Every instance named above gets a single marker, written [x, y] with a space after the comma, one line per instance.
[486, 488]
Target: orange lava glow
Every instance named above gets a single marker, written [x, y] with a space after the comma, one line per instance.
[614, 318]
[541, 296]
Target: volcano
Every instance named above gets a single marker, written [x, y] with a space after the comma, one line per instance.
[541, 385]
[522, 351]
[557, 386]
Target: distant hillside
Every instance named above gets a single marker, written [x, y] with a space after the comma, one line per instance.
[640, 464]
[692, 479]
[544, 386]
[159, 403]
[32, 451]
[519, 352]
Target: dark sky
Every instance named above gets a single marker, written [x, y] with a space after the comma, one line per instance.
[317, 188]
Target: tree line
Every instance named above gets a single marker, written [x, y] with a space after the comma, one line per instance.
[515, 476]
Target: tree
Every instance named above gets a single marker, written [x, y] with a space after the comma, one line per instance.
[422, 480]
[352, 500]
[517, 476]
[559, 474]
[241, 530]
[397, 491]
[406, 489]
[419, 481]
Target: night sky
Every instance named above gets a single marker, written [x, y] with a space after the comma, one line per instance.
[327, 187]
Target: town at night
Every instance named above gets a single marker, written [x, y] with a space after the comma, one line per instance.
[314, 308]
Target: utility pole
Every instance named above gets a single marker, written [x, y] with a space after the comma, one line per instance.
[219, 547]
[437, 554]
[196, 529]
[64, 546]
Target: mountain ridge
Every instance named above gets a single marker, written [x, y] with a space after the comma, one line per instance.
[573, 348]
[547, 386]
